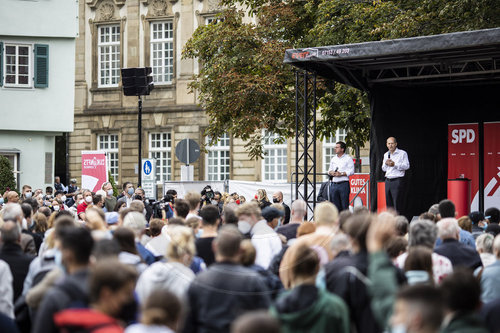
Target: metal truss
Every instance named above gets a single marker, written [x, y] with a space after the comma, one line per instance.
[305, 138]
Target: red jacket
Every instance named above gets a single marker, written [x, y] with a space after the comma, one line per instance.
[86, 320]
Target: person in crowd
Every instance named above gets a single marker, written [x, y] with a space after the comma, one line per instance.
[266, 240]
[273, 216]
[479, 224]
[88, 198]
[141, 195]
[74, 257]
[136, 222]
[161, 313]
[458, 253]
[98, 200]
[120, 206]
[77, 200]
[12, 197]
[256, 322]
[193, 199]
[307, 308]
[27, 225]
[344, 275]
[127, 194]
[278, 198]
[418, 265]
[6, 290]
[26, 192]
[95, 221]
[394, 164]
[58, 186]
[402, 225]
[248, 255]
[12, 254]
[159, 240]
[341, 167]
[128, 251]
[111, 289]
[492, 216]
[209, 223]
[181, 208]
[424, 233]
[110, 199]
[226, 290]
[490, 276]
[447, 210]
[175, 274]
[484, 246]
[297, 215]
[262, 198]
[13, 212]
[396, 247]
[465, 223]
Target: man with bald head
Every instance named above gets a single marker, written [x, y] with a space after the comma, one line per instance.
[299, 209]
[12, 197]
[394, 165]
[278, 198]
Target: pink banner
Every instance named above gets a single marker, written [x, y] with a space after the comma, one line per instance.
[492, 165]
[357, 181]
[94, 171]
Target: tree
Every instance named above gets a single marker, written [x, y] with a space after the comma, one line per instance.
[7, 179]
[113, 184]
[244, 86]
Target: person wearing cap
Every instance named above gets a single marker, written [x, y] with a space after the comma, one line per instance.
[273, 216]
[492, 215]
[478, 223]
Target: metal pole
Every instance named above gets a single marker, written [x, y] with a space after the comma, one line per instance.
[305, 131]
[297, 134]
[139, 133]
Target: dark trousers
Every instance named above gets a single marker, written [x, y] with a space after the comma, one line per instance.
[392, 189]
[339, 195]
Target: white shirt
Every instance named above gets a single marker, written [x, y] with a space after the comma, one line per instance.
[401, 164]
[266, 242]
[6, 290]
[344, 164]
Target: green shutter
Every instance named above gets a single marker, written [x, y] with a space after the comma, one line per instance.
[41, 66]
[1, 64]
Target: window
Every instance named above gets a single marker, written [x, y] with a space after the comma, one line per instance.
[329, 147]
[160, 148]
[108, 46]
[162, 52]
[217, 159]
[275, 159]
[109, 143]
[214, 19]
[17, 65]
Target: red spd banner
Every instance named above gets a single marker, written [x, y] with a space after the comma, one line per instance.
[463, 155]
[94, 171]
[357, 181]
[491, 165]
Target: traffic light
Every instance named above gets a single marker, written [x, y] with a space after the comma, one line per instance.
[137, 81]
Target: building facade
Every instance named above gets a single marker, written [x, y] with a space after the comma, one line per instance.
[118, 34]
[37, 75]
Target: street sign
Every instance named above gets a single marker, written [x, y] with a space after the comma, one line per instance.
[148, 170]
[187, 151]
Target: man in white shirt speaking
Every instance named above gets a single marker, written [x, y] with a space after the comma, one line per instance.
[395, 164]
[341, 167]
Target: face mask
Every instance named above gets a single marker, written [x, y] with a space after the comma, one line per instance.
[199, 233]
[63, 198]
[28, 195]
[40, 196]
[485, 225]
[1, 201]
[80, 202]
[110, 193]
[56, 208]
[131, 191]
[214, 202]
[244, 227]
[58, 260]
[88, 198]
[275, 200]
[399, 328]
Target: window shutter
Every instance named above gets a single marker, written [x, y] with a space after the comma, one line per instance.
[41, 66]
[1, 64]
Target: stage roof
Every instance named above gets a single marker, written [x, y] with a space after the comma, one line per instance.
[470, 57]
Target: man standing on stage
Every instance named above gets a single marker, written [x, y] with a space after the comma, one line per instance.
[341, 167]
[395, 164]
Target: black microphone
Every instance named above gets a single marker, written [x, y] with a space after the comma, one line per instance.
[337, 169]
[389, 155]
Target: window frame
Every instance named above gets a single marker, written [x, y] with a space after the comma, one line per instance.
[273, 146]
[160, 177]
[30, 65]
[118, 46]
[111, 151]
[162, 42]
[218, 149]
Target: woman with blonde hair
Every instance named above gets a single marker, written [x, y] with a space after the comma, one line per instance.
[262, 198]
[175, 274]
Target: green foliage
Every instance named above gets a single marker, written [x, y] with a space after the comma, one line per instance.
[112, 181]
[7, 178]
[244, 86]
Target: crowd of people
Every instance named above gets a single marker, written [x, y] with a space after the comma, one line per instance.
[78, 261]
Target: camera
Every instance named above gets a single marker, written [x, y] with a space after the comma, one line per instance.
[158, 206]
[207, 194]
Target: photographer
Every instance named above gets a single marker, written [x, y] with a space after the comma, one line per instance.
[141, 195]
[164, 208]
[207, 196]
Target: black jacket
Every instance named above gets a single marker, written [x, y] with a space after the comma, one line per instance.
[324, 192]
[222, 293]
[19, 264]
[345, 277]
[459, 254]
[287, 213]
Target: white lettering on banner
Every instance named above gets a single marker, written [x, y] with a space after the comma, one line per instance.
[93, 163]
[458, 135]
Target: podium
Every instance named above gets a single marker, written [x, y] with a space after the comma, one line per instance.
[459, 193]
[381, 204]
